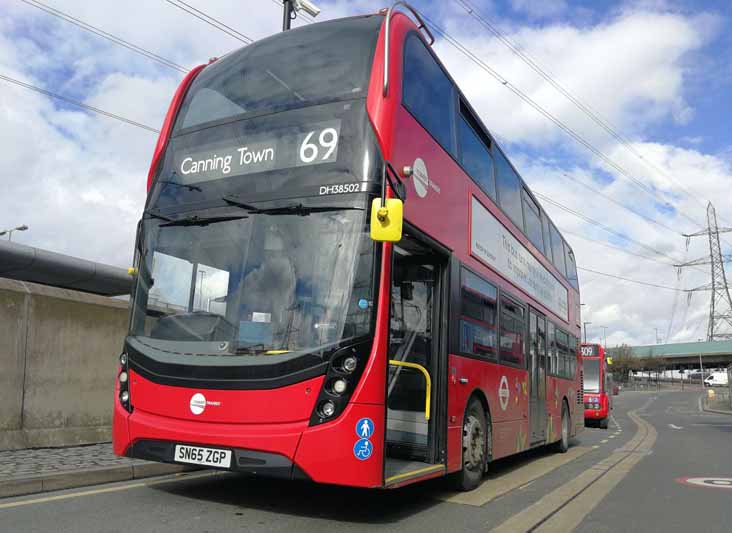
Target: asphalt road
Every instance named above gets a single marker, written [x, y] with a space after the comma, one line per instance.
[622, 479]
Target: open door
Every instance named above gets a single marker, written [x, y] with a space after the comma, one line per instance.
[418, 356]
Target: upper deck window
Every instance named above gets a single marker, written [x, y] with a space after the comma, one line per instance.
[427, 92]
[475, 155]
[309, 65]
[532, 220]
[571, 266]
[557, 250]
[509, 189]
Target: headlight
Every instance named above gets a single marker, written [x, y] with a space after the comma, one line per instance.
[350, 364]
[124, 396]
[123, 377]
[327, 409]
[339, 386]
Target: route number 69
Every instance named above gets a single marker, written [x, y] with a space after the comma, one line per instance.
[328, 140]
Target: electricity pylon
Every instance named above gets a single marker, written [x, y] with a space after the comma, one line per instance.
[720, 306]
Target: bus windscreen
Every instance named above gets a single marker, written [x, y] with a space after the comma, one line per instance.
[592, 375]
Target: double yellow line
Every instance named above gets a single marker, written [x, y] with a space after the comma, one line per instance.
[563, 509]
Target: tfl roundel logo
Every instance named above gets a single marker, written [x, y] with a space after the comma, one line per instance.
[198, 403]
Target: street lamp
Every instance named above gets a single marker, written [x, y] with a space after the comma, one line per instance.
[10, 231]
[701, 365]
[584, 326]
[604, 336]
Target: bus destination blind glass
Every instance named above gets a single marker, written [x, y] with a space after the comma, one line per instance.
[590, 351]
[493, 244]
[312, 145]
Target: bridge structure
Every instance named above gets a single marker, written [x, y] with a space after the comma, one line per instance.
[686, 355]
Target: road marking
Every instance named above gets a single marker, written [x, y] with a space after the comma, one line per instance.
[496, 485]
[674, 426]
[611, 437]
[116, 488]
[595, 447]
[723, 483]
[603, 441]
[563, 509]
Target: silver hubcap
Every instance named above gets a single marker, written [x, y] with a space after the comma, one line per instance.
[565, 428]
[473, 443]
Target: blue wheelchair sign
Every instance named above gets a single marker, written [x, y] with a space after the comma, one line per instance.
[365, 428]
[363, 449]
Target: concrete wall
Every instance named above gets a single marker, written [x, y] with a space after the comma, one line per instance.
[58, 358]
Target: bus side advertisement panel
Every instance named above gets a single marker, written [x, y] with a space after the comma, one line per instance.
[493, 244]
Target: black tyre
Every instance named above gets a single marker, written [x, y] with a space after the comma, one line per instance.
[476, 439]
[604, 423]
[563, 444]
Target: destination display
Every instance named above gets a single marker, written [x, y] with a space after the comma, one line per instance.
[313, 145]
[493, 244]
[590, 351]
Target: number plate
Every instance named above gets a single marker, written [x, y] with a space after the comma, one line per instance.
[203, 456]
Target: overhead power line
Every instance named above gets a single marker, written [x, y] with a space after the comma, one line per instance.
[78, 103]
[588, 110]
[211, 21]
[106, 35]
[549, 116]
[618, 248]
[603, 227]
[625, 207]
[666, 287]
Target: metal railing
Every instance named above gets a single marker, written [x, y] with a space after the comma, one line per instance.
[422, 26]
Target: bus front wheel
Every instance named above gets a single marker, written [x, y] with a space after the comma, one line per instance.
[476, 436]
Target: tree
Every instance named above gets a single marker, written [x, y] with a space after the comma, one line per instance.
[623, 362]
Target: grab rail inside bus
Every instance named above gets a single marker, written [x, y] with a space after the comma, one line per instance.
[421, 26]
[427, 379]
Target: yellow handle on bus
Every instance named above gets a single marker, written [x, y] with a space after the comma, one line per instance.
[427, 379]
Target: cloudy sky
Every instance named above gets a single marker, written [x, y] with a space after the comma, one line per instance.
[656, 72]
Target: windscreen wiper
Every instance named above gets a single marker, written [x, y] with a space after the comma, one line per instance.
[192, 220]
[291, 209]
[181, 185]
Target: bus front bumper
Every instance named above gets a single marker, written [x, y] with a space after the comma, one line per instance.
[246, 461]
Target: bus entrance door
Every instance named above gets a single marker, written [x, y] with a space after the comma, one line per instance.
[537, 377]
[415, 359]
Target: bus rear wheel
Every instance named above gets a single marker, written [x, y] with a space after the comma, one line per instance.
[604, 423]
[562, 445]
[476, 436]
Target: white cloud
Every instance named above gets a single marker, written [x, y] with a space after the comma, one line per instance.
[78, 179]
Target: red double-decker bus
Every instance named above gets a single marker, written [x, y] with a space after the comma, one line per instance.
[288, 321]
[597, 388]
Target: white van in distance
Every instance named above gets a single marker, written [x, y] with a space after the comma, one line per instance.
[716, 379]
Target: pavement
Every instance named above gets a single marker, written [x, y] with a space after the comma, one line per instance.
[46, 469]
[718, 403]
[634, 476]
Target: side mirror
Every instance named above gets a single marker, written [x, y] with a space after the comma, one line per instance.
[386, 220]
